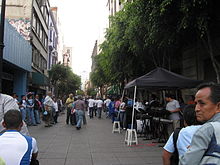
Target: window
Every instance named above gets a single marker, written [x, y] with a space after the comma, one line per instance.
[41, 33]
[46, 42]
[34, 21]
[38, 26]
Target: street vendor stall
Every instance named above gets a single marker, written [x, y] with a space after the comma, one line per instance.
[159, 79]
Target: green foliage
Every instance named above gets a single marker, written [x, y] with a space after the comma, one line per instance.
[151, 33]
[80, 92]
[63, 79]
[91, 92]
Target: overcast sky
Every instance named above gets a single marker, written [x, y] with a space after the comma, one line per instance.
[83, 22]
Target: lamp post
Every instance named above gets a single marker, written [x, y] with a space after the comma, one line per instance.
[2, 25]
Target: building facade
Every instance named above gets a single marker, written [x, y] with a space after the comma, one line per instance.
[31, 20]
[16, 62]
[53, 39]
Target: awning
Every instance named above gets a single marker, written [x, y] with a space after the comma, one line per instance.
[39, 79]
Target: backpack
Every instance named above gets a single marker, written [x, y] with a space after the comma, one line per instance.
[174, 159]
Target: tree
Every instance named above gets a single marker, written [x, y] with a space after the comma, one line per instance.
[64, 80]
[202, 17]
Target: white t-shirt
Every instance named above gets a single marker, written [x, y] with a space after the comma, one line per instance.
[56, 107]
[107, 102]
[16, 148]
[172, 105]
[91, 102]
[99, 103]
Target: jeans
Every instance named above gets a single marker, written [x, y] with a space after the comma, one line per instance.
[91, 109]
[37, 116]
[23, 113]
[79, 118]
[31, 118]
[99, 112]
[122, 119]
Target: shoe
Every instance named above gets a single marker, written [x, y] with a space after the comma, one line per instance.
[78, 128]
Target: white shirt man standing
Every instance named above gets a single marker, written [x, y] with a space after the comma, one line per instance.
[173, 107]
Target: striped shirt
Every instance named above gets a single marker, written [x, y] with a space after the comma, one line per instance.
[8, 103]
[48, 101]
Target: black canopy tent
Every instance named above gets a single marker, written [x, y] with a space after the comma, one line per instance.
[160, 79]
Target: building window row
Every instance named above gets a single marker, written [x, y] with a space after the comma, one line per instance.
[38, 60]
[39, 30]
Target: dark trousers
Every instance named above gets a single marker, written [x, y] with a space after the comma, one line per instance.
[91, 109]
[73, 119]
[68, 115]
[56, 116]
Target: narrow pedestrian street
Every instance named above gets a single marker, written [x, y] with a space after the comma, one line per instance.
[94, 144]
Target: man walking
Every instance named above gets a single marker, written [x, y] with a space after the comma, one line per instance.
[48, 105]
[205, 145]
[99, 107]
[69, 103]
[79, 107]
[91, 106]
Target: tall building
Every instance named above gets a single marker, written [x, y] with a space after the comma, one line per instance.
[67, 56]
[94, 53]
[53, 38]
[60, 40]
[114, 6]
[31, 19]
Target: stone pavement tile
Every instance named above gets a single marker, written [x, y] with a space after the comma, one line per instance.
[56, 149]
[126, 155]
[81, 155]
[78, 161]
[109, 161]
[52, 161]
[81, 149]
[153, 160]
[52, 155]
[131, 161]
[103, 155]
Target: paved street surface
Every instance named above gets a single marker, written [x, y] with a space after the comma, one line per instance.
[94, 144]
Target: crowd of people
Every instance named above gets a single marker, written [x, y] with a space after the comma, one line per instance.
[198, 142]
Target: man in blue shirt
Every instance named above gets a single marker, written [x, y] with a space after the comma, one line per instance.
[205, 145]
[185, 135]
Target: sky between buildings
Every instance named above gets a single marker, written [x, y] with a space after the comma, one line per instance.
[83, 22]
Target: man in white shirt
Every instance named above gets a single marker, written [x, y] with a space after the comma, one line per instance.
[173, 107]
[99, 107]
[16, 148]
[106, 103]
[91, 107]
[7, 103]
[48, 104]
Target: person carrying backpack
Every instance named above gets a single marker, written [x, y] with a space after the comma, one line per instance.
[180, 139]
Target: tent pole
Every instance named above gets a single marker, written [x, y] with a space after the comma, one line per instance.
[123, 93]
[132, 123]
